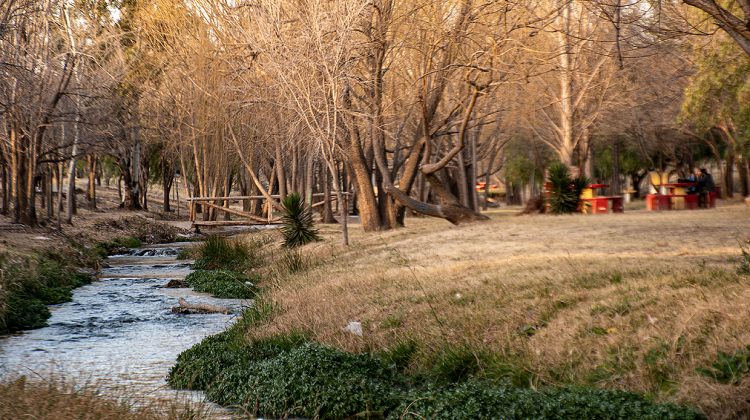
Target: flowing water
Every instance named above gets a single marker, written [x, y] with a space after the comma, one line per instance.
[119, 332]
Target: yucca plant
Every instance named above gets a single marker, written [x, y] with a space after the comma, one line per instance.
[565, 191]
[297, 220]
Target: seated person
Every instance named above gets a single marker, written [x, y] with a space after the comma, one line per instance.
[704, 186]
[691, 178]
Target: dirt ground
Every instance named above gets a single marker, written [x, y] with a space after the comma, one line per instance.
[634, 301]
[89, 225]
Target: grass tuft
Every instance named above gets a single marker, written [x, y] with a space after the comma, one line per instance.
[51, 399]
[729, 368]
[219, 253]
[744, 267]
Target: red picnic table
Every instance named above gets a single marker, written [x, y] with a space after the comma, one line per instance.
[677, 198]
[599, 204]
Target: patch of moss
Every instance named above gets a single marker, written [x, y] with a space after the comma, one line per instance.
[223, 284]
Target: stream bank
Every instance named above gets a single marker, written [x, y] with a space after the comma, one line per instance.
[119, 332]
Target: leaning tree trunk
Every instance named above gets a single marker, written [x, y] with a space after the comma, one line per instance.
[449, 209]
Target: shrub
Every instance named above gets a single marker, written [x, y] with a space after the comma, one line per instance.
[230, 387]
[33, 283]
[116, 245]
[565, 191]
[127, 242]
[218, 253]
[481, 399]
[24, 312]
[198, 366]
[729, 368]
[317, 382]
[222, 284]
[297, 220]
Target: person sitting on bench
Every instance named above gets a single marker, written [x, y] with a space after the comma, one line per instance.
[691, 178]
[705, 186]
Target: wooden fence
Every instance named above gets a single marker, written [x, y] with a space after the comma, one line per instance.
[243, 218]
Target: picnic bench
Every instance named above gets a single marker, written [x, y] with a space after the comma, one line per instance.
[600, 204]
[678, 198]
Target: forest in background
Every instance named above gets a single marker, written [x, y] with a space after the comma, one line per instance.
[406, 104]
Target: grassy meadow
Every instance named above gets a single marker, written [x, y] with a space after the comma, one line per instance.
[643, 302]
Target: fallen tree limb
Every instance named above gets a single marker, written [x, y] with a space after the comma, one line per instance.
[186, 308]
[450, 210]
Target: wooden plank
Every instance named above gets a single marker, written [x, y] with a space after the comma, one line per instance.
[233, 223]
[238, 213]
[320, 203]
[237, 198]
[249, 197]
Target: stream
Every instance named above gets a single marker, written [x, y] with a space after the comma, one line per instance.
[118, 333]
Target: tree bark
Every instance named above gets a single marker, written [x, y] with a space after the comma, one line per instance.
[91, 190]
[744, 169]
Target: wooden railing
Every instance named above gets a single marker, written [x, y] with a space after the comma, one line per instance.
[222, 204]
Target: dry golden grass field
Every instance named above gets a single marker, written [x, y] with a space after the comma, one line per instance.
[634, 301]
[51, 399]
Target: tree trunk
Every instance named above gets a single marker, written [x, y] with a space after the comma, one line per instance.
[91, 190]
[71, 198]
[567, 137]
[366, 203]
[228, 192]
[326, 213]
[167, 180]
[729, 174]
[48, 192]
[244, 189]
[119, 190]
[5, 185]
[472, 174]
[59, 177]
[461, 180]
[744, 169]
[616, 186]
[280, 172]
[31, 178]
[131, 198]
[309, 174]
